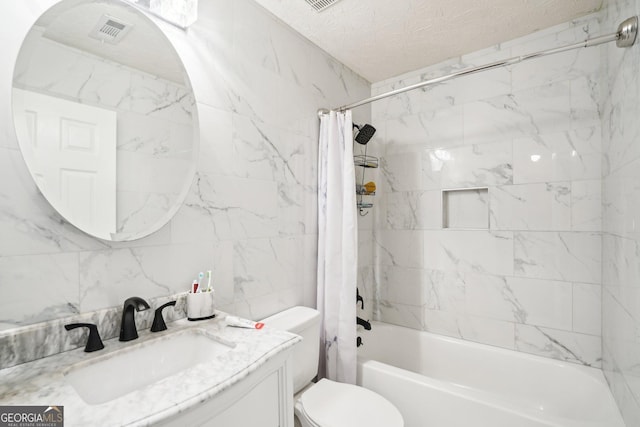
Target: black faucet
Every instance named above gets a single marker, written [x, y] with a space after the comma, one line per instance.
[94, 342]
[128, 329]
[364, 323]
[158, 321]
[359, 298]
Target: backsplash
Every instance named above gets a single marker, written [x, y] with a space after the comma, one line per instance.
[251, 213]
[517, 262]
[18, 344]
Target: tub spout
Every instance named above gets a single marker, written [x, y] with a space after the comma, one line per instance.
[364, 323]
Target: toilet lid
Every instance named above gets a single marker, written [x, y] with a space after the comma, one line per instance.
[332, 404]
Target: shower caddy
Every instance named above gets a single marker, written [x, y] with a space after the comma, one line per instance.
[365, 162]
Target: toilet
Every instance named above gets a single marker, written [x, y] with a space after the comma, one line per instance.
[327, 403]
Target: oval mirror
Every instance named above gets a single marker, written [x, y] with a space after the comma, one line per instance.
[105, 117]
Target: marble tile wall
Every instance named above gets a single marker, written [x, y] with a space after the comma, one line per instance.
[251, 212]
[620, 194]
[524, 272]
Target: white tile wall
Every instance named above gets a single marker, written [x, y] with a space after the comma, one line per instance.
[37, 299]
[251, 211]
[586, 205]
[469, 250]
[564, 156]
[559, 344]
[541, 206]
[472, 328]
[558, 256]
[531, 133]
[620, 194]
[587, 308]
[527, 301]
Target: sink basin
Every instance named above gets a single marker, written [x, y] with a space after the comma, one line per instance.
[139, 365]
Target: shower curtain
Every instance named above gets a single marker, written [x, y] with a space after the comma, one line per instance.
[337, 248]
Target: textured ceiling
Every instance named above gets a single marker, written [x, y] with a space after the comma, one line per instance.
[379, 39]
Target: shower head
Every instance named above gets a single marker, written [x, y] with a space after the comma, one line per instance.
[365, 132]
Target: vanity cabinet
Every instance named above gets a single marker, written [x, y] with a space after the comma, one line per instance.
[264, 398]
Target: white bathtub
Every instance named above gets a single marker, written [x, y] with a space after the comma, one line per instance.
[437, 381]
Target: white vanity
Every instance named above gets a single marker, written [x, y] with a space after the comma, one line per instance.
[193, 374]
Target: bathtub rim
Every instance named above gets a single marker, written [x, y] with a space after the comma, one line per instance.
[592, 374]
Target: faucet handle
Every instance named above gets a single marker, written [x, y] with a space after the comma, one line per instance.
[158, 320]
[359, 298]
[94, 342]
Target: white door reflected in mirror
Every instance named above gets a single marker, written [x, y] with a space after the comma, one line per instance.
[71, 149]
[108, 130]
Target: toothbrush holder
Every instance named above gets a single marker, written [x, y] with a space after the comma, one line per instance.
[200, 306]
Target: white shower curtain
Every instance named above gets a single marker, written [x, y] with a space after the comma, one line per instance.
[337, 248]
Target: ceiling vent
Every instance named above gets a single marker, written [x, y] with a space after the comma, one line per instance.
[110, 29]
[320, 5]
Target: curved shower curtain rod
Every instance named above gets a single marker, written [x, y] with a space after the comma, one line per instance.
[624, 37]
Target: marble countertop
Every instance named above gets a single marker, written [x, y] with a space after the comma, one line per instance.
[42, 382]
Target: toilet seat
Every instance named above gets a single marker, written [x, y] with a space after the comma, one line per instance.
[332, 404]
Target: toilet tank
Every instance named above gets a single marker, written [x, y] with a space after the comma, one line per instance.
[303, 321]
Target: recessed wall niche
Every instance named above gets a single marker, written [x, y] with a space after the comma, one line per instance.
[465, 208]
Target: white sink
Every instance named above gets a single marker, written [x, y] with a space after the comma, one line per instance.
[139, 365]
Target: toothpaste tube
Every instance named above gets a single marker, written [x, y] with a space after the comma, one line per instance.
[242, 323]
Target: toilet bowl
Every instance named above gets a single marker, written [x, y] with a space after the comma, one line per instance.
[331, 404]
[327, 403]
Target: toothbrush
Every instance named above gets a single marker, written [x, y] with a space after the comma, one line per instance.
[194, 286]
[209, 281]
[200, 277]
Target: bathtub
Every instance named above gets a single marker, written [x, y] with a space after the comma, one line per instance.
[437, 381]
